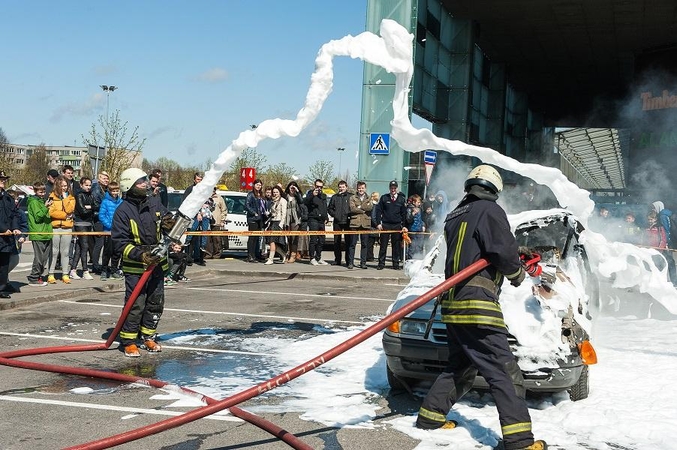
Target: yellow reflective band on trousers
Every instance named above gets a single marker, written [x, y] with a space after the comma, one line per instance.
[515, 428]
[146, 331]
[128, 335]
[437, 417]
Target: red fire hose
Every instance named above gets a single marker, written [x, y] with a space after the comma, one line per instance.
[6, 359]
[289, 375]
[214, 405]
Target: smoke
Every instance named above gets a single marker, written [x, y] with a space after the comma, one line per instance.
[650, 111]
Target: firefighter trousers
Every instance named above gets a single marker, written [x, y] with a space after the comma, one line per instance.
[473, 349]
[145, 315]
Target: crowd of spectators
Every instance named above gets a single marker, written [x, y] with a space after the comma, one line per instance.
[65, 218]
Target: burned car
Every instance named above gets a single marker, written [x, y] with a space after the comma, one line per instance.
[548, 318]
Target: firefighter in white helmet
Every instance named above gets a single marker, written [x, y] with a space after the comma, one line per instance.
[476, 333]
[137, 229]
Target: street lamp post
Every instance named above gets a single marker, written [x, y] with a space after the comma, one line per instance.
[107, 89]
[340, 150]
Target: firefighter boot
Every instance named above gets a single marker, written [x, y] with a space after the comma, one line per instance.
[152, 346]
[537, 445]
[132, 351]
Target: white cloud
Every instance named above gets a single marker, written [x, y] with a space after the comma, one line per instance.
[86, 108]
[213, 75]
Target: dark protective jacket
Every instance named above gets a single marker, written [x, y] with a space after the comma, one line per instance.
[339, 207]
[478, 228]
[136, 229]
[389, 212]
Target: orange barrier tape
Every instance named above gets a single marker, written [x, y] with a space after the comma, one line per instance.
[228, 233]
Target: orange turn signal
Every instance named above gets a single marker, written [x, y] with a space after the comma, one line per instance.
[587, 352]
[394, 327]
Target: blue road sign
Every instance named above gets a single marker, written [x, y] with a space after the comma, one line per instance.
[430, 157]
[379, 144]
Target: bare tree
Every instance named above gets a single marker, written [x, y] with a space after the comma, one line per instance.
[37, 165]
[6, 161]
[121, 150]
[249, 157]
[324, 170]
[279, 173]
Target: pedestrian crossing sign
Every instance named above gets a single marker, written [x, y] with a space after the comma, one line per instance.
[379, 144]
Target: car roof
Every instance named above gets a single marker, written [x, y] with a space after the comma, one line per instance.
[231, 193]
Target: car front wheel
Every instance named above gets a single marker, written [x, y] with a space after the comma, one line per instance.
[396, 383]
[581, 389]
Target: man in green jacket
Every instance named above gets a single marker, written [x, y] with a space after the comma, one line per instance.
[39, 221]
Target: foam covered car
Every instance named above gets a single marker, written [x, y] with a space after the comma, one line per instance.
[549, 318]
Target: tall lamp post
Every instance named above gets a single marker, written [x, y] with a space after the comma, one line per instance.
[340, 150]
[107, 89]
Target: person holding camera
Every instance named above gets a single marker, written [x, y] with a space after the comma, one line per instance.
[316, 202]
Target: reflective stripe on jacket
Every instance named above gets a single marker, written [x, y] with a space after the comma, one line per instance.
[136, 229]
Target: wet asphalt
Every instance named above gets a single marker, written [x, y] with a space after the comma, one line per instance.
[228, 302]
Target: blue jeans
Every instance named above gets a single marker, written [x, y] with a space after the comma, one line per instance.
[203, 225]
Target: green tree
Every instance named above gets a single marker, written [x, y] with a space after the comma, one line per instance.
[37, 165]
[121, 149]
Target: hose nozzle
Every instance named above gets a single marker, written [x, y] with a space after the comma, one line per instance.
[180, 226]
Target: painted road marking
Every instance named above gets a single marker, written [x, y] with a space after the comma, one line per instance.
[111, 408]
[267, 293]
[223, 313]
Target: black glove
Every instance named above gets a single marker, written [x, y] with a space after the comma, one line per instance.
[526, 252]
[517, 279]
[149, 259]
[167, 222]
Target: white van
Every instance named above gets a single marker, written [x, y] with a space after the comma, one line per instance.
[235, 221]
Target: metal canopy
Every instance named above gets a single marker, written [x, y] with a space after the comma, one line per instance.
[595, 154]
[566, 54]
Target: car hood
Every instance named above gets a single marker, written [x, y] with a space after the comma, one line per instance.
[533, 311]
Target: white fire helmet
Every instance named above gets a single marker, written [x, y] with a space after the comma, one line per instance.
[129, 177]
[486, 176]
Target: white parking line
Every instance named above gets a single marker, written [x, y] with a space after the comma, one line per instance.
[157, 412]
[267, 293]
[95, 341]
[199, 311]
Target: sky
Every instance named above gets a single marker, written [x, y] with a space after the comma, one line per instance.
[191, 75]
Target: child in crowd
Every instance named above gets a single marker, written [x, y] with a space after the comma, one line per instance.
[178, 262]
[39, 221]
[415, 225]
[110, 261]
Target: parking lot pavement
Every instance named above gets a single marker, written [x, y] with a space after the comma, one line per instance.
[232, 263]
